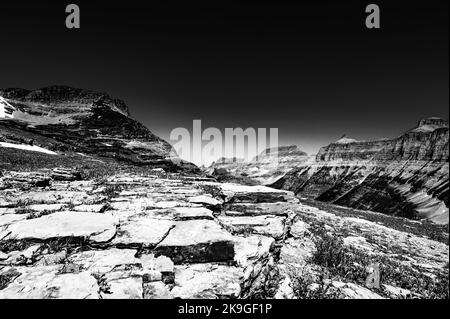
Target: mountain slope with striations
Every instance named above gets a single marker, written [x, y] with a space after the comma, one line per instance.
[77, 122]
[264, 168]
[407, 176]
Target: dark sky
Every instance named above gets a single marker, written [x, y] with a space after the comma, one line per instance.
[312, 70]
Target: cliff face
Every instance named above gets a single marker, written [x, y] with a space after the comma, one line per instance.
[407, 176]
[74, 121]
[427, 142]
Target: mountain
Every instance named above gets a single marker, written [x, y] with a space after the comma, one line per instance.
[77, 122]
[426, 142]
[143, 224]
[265, 168]
[406, 176]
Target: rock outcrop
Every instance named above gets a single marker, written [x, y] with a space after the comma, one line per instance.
[135, 236]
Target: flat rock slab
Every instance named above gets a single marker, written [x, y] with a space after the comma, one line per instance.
[197, 241]
[205, 200]
[209, 281]
[254, 194]
[103, 261]
[44, 282]
[5, 211]
[255, 209]
[89, 208]
[138, 204]
[11, 218]
[46, 207]
[242, 189]
[61, 197]
[191, 213]
[95, 227]
[264, 225]
[142, 231]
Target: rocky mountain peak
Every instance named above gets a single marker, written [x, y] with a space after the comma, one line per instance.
[430, 124]
[68, 122]
[59, 95]
[437, 121]
[285, 149]
[346, 140]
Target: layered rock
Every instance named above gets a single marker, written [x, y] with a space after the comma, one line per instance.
[156, 237]
[407, 176]
[427, 142]
[265, 168]
[72, 121]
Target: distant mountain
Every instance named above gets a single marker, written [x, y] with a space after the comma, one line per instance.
[72, 121]
[428, 141]
[406, 176]
[266, 167]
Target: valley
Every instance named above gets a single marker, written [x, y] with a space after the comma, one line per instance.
[95, 206]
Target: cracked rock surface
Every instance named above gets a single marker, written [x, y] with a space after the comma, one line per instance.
[178, 236]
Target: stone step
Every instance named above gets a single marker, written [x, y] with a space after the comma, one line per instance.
[197, 241]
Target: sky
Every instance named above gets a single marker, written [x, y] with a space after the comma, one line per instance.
[314, 71]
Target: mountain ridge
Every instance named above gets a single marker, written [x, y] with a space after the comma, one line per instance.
[407, 176]
[78, 121]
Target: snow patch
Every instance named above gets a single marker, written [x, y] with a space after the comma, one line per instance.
[6, 109]
[27, 148]
[346, 140]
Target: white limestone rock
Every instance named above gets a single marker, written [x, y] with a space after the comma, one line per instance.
[190, 213]
[103, 261]
[142, 231]
[44, 282]
[197, 241]
[207, 281]
[96, 227]
[206, 200]
[46, 207]
[11, 218]
[89, 208]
